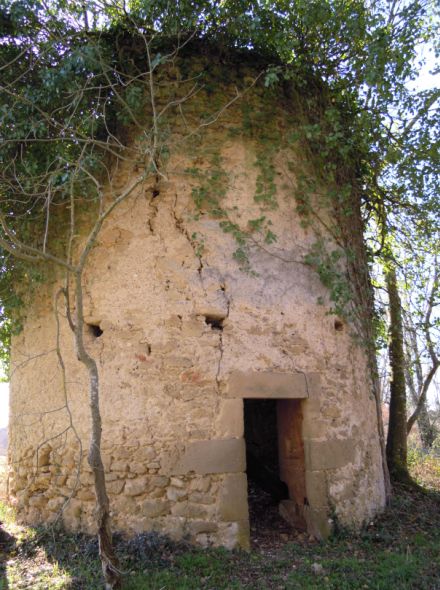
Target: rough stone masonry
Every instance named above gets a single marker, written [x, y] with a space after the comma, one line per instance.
[182, 337]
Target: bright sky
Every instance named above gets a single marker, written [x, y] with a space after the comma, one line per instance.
[4, 404]
[426, 79]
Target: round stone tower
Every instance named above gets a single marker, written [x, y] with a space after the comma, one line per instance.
[220, 364]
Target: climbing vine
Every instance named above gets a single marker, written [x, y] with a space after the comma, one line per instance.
[321, 56]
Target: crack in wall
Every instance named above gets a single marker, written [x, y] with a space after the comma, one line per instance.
[178, 222]
[153, 204]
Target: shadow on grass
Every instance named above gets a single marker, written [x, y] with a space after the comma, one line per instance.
[398, 550]
[75, 556]
[7, 542]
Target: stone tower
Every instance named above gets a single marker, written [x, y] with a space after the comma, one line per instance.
[218, 359]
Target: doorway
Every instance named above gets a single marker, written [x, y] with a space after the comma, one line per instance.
[275, 465]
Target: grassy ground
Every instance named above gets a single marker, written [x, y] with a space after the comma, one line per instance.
[399, 551]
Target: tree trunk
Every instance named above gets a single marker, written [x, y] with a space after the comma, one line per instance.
[380, 429]
[418, 382]
[427, 429]
[109, 561]
[396, 440]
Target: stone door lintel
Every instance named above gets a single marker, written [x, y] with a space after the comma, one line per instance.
[273, 385]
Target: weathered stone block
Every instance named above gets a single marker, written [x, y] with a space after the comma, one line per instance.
[200, 484]
[313, 386]
[144, 454]
[85, 478]
[115, 487]
[318, 522]
[314, 427]
[229, 421]
[201, 526]
[180, 509]
[55, 504]
[138, 525]
[111, 476]
[177, 482]
[119, 466]
[199, 498]
[317, 489]
[175, 494]
[329, 454]
[212, 456]
[189, 510]
[158, 481]
[174, 526]
[234, 534]
[72, 513]
[152, 508]
[134, 487]
[33, 516]
[37, 500]
[42, 481]
[122, 504]
[106, 461]
[233, 504]
[138, 468]
[85, 494]
[157, 493]
[121, 453]
[267, 384]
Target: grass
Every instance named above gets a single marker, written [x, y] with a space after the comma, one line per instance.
[400, 550]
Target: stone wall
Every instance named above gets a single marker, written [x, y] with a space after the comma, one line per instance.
[184, 336]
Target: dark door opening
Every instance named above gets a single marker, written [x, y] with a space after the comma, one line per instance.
[275, 465]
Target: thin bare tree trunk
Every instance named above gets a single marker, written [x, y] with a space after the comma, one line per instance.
[109, 561]
[427, 430]
[424, 382]
[381, 432]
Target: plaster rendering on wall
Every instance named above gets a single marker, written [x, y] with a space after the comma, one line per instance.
[198, 357]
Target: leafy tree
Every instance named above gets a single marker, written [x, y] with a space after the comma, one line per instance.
[404, 190]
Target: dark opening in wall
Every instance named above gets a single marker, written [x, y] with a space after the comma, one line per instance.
[265, 489]
[275, 466]
[94, 330]
[261, 434]
[216, 322]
